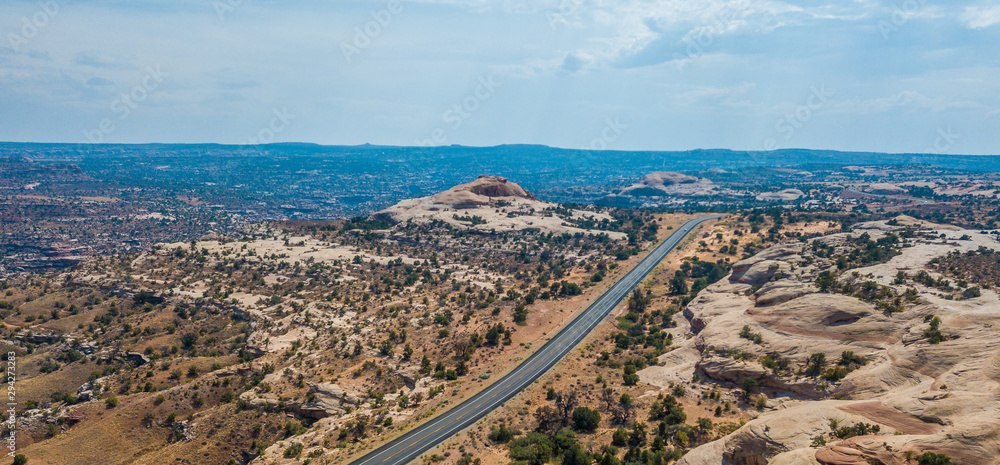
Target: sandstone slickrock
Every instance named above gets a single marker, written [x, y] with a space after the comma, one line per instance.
[943, 398]
[757, 273]
[333, 393]
[883, 188]
[666, 183]
[774, 293]
[492, 203]
[786, 195]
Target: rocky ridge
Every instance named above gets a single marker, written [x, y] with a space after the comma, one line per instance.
[491, 203]
[923, 395]
[665, 183]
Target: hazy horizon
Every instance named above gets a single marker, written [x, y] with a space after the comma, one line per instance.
[513, 144]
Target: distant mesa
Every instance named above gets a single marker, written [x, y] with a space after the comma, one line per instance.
[794, 172]
[786, 195]
[668, 183]
[15, 160]
[883, 188]
[928, 184]
[664, 178]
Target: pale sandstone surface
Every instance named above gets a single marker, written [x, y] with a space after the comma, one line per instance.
[943, 398]
[502, 205]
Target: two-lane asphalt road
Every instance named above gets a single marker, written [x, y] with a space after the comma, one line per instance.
[424, 437]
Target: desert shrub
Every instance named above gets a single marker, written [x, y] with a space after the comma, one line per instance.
[859, 429]
[930, 458]
[189, 340]
[836, 373]
[534, 449]
[48, 367]
[932, 333]
[619, 437]
[630, 378]
[971, 293]
[585, 419]
[501, 434]
[293, 450]
[815, 364]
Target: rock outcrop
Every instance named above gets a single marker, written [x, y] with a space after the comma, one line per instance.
[488, 204]
[923, 396]
[665, 183]
[483, 191]
[883, 188]
[786, 195]
[333, 394]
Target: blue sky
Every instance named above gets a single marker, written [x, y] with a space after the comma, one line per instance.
[869, 75]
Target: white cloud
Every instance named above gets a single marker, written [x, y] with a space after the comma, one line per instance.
[712, 94]
[906, 101]
[636, 33]
[980, 17]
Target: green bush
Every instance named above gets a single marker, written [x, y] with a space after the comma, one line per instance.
[815, 364]
[48, 367]
[501, 434]
[575, 455]
[293, 450]
[585, 419]
[189, 340]
[860, 429]
[619, 438]
[630, 378]
[930, 458]
[534, 448]
[836, 373]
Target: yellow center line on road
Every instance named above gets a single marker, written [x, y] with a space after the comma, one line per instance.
[412, 443]
[557, 347]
